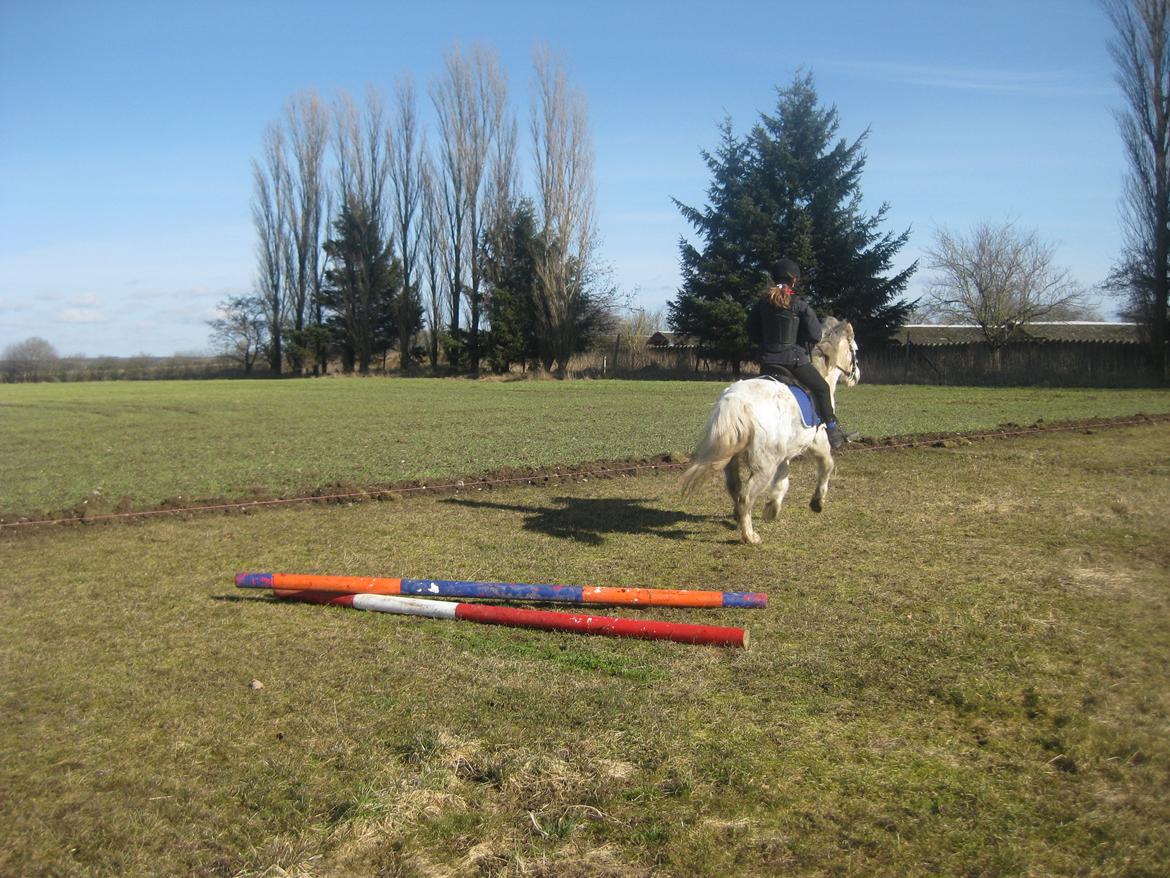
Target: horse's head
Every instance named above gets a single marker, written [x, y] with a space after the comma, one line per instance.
[837, 349]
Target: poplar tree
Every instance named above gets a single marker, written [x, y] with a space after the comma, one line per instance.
[1141, 49]
[269, 180]
[405, 147]
[570, 300]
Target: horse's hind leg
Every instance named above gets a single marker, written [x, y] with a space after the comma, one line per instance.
[739, 486]
[823, 456]
[779, 489]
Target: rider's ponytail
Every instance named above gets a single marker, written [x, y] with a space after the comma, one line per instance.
[779, 295]
[783, 275]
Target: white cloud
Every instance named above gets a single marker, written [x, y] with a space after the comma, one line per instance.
[85, 300]
[80, 315]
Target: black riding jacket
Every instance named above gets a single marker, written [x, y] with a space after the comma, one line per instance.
[782, 333]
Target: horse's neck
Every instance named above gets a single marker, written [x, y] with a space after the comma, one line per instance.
[830, 374]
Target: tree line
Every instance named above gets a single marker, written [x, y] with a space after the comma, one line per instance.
[34, 359]
[374, 235]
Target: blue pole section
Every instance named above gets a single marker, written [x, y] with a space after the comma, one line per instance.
[513, 591]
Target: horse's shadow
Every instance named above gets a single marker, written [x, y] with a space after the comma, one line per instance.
[588, 520]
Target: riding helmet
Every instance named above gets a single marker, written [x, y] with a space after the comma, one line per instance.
[785, 270]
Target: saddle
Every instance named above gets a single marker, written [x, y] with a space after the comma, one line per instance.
[804, 399]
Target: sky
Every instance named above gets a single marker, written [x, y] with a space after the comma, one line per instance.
[127, 130]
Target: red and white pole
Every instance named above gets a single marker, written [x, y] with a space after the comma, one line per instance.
[545, 620]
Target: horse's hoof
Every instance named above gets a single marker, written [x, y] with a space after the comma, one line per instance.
[815, 504]
[752, 539]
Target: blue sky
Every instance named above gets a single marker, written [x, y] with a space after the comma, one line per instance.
[126, 129]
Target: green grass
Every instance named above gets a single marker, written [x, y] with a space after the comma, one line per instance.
[102, 446]
[962, 671]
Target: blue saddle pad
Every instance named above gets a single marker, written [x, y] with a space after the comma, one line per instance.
[808, 412]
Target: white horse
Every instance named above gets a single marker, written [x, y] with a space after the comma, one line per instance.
[756, 429]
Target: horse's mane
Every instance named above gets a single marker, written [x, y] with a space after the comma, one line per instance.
[832, 326]
[831, 331]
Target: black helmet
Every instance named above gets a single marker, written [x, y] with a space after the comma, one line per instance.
[785, 270]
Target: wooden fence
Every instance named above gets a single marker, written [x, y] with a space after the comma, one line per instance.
[1025, 363]
[1028, 363]
[626, 356]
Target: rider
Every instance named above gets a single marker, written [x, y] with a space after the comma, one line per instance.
[782, 324]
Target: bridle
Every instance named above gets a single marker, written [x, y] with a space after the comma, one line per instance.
[854, 372]
[850, 373]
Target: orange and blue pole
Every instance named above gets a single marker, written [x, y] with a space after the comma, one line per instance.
[510, 591]
[545, 620]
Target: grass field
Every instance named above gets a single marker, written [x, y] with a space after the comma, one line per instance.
[963, 669]
[138, 445]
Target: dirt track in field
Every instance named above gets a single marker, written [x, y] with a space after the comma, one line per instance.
[506, 477]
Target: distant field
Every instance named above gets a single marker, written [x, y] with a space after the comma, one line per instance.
[962, 670]
[136, 445]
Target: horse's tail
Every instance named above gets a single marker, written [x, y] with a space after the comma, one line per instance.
[729, 430]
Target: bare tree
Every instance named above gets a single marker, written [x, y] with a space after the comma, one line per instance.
[447, 97]
[502, 185]
[240, 330]
[1141, 50]
[435, 257]
[641, 324]
[361, 249]
[28, 360]
[363, 168]
[270, 178]
[33, 349]
[998, 277]
[565, 263]
[405, 149]
[304, 208]
[317, 334]
[470, 102]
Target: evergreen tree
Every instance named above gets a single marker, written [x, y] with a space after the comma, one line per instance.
[510, 272]
[720, 281]
[361, 288]
[786, 189]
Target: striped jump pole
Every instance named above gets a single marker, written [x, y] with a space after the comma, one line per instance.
[545, 620]
[509, 591]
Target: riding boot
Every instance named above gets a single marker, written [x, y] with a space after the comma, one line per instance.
[837, 436]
